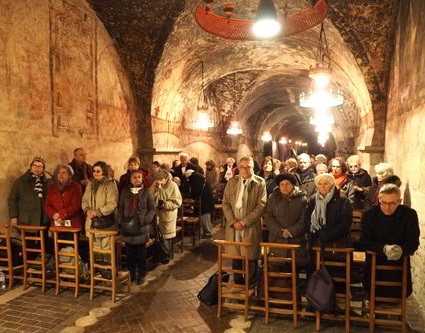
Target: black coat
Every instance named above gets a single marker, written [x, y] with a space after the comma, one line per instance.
[361, 179]
[184, 185]
[339, 216]
[199, 188]
[146, 208]
[378, 229]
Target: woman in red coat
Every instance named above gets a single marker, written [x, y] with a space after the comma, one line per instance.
[63, 201]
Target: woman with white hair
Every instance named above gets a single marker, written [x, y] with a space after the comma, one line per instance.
[328, 214]
[384, 175]
[362, 182]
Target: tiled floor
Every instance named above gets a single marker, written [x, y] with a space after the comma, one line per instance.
[166, 303]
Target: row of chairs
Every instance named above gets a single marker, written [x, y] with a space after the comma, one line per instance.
[236, 296]
[67, 263]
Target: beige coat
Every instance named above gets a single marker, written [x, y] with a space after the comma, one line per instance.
[104, 201]
[167, 217]
[257, 198]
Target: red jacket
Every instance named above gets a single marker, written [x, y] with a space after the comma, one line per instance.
[67, 203]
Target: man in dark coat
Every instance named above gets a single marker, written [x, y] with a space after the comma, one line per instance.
[392, 231]
[201, 190]
[179, 172]
[82, 171]
[26, 200]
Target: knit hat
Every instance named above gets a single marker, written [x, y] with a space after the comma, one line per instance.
[285, 176]
[38, 159]
[161, 174]
[324, 176]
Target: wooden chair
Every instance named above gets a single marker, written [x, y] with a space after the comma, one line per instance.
[97, 281]
[189, 218]
[232, 291]
[177, 240]
[396, 314]
[356, 226]
[271, 304]
[218, 213]
[33, 243]
[67, 273]
[345, 279]
[11, 270]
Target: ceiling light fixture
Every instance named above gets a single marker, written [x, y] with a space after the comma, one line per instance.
[323, 92]
[235, 126]
[266, 137]
[266, 24]
[203, 122]
[227, 26]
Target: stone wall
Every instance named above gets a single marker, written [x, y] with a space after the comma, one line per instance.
[61, 87]
[405, 142]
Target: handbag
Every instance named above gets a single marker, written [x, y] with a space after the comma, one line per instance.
[161, 249]
[103, 222]
[320, 290]
[209, 293]
[130, 226]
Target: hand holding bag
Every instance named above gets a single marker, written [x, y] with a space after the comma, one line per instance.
[130, 225]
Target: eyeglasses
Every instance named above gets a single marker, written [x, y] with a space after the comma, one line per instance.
[336, 167]
[97, 171]
[353, 166]
[389, 204]
[245, 168]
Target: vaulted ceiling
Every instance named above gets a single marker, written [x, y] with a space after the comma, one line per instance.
[162, 47]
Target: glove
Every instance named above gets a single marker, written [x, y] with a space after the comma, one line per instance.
[161, 204]
[393, 252]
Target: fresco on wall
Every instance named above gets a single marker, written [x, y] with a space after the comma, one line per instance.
[73, 57]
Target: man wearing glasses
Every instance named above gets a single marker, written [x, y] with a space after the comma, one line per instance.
[392, 231]
[244, 201]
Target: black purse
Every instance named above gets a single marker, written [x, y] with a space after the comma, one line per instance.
[103, 222]
[130, 225]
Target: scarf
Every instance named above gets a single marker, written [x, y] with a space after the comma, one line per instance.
[229, 173]
[38, 185]
[340, 180]
[318, 217]
[241, 192]
[96, 183]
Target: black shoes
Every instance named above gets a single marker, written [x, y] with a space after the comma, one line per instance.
[141, 280]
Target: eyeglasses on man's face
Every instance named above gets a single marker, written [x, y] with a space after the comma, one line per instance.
[390, 203]
[248, 167]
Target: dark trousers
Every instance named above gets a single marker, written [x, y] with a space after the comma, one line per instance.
[252, 272]
[136, 259]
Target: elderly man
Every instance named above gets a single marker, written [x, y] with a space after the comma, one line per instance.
[244, 202]
[179, 172]
[391, 230]
[82, 171]
[26, 200]
[305, 175]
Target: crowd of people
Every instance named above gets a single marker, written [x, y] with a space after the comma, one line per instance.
[306, 200]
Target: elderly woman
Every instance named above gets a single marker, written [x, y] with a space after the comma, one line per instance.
[328, 214]
[284, 215]
[362, 182]
[63, 201]
[167, 199]
[267, 173]
[338, 167]
[384, 175]
[136, 199]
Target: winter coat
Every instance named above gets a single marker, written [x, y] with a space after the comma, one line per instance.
[167, 216]
[201, 189]
[361, 179]
[287, 212]
[67, 203]
[184, 185]
[378, 229]
[257, 197]
[146, 212]
[104, 201]
[338, 221]
[270, 182]
[305, 181]
[25, 204]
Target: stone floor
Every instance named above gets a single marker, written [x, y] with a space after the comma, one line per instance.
[167, 302]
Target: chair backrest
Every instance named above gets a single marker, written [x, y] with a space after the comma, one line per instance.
[384, 277]
[356, 226]
[5, 248]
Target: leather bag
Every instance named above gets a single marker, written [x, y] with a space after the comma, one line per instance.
[103, 222]
[209, 293]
